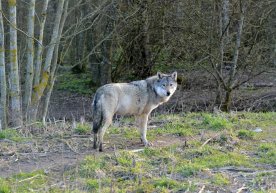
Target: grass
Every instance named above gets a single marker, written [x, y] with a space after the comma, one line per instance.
[267, 153]
[11, 134]
[213, 142]
[220, 180]
[245, 134]
[83, 129]
[75, 83]
[24, 182]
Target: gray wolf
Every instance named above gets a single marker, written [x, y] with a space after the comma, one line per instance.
[136, 98]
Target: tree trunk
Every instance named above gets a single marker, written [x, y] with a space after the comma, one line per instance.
[55, 66]
[146, 71]
[92, 60]
[3, 85]
[30, 57]
[38, 62]
[233, 70]
[80, 43]
[224, 20]
[16, 112]
[39, 89]
[227, 101]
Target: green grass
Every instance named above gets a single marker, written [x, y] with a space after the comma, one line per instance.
[11, 134]
[215, 123]
[245, 134]
[172, 167]
[220, 180]
[267, 153]
[83, 129]
[24, 182]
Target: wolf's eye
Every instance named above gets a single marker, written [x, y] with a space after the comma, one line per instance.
[171, 84]
[163, 85]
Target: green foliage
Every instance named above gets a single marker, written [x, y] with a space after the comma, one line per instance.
[245, 134]
[165, 182]
[11, 134]
[92, 184]
[189, 169]
[24, 182]
[267, 153]
[176, 128]
[207, 158]
[90, 165]
[83, 129]
[75, 83]
[220, 180]
[216, 123]
[4, 186]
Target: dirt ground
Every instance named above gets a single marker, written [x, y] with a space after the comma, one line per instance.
[57, 150]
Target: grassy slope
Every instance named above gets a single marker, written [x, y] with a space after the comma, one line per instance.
[213, 152]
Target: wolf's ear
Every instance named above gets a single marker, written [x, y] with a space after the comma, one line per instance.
[159, 75]
[174, 75]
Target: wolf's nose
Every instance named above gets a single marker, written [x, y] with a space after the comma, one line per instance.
[168, 93]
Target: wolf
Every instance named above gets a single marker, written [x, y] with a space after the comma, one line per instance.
[136, 98]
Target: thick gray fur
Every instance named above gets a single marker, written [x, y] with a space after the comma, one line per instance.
[136, 98]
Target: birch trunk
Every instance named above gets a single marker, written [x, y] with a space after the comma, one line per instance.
[38, 61]
[55, 66]
[16, 112]
[39, 89]
[30, 56]
[224, 33]
[231, 81]
[237, 47]
[3, 85]
[224, 20]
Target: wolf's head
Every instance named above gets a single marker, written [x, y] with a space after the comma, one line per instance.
[166, 84]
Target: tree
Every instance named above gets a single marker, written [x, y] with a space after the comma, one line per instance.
[38, 60]
[16, 111]
[3, 85]
[30, 56]
[55, 65]
[38, 89]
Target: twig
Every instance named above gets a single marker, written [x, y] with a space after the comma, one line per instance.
[241, 189]
[29, 178]
[66, 142]
[7, 153]
[19, 29]
[201, 190]
[205, 142]
[136, 150]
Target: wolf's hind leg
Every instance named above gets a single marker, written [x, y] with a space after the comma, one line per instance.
[95, 141]
[106, 124]
[143, 121]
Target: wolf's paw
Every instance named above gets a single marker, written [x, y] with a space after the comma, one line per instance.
[148, 144]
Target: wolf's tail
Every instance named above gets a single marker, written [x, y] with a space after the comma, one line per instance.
[97, 113]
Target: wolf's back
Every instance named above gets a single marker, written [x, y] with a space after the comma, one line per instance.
[97, 112]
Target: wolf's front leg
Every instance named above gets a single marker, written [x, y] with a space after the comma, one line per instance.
[143, 122]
